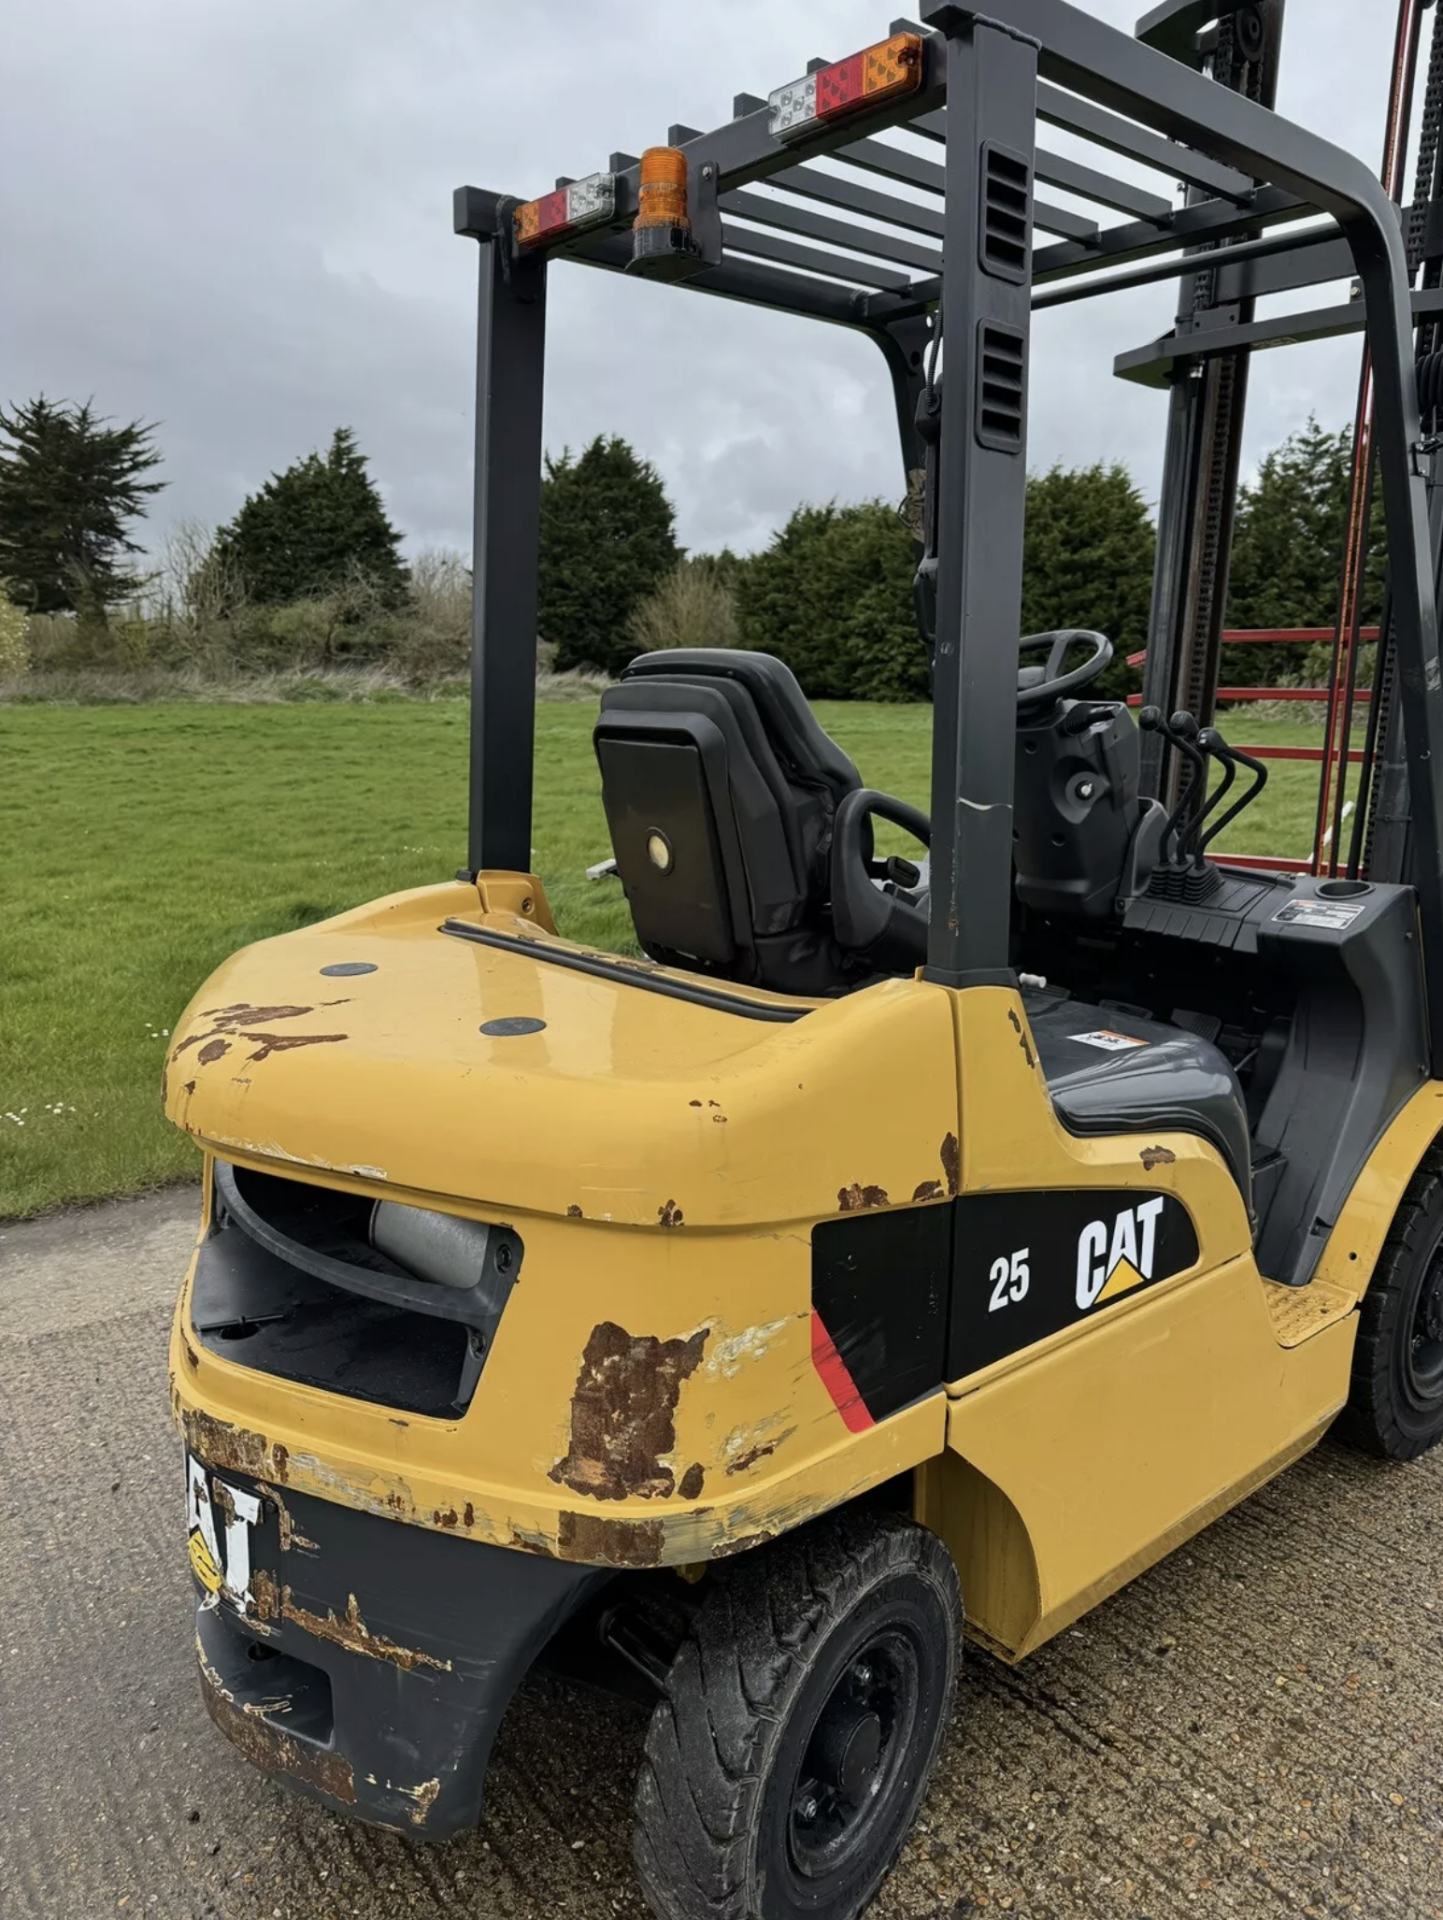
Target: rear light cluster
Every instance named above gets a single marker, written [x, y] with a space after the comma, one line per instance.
[585, 203]
[861, 80]
[662, 229]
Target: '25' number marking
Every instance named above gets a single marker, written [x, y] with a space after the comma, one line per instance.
[1009, 1277]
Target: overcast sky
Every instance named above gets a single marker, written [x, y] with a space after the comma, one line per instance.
[232, 217]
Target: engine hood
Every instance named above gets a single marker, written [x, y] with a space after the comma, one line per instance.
[376, 1048]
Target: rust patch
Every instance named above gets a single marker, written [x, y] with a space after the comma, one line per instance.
[289, 1535]
[693, 1103]
[856, 1198]
[1157, 1157]
[610, 1543]
[743, 1543]
[265, 1596]
[213, 1050]
[352, 1633]
[267, 1747]
[223, 1446]
[192, 1358]
[623, 1413]
[669, 1214]
[424, 1797]
[269, 1043]
[1021, 1036]
[928, 1190]
[446, 1519]
[468, 1517]
[525, 1541]
[573, 1212]
[951, 1164]
[690, 1484]
[189, 1087]
[751, 1458]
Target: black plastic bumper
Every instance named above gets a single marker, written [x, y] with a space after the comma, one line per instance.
[375, 1659]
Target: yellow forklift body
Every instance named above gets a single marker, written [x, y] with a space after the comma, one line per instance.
[666, 1165]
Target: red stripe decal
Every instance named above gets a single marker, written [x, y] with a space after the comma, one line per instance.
[837, 1379]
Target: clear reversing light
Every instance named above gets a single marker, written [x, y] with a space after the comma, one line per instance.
[863, 79]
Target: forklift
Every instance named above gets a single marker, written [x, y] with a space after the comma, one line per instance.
[890, 1237]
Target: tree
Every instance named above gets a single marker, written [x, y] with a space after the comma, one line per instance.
[606, 540]
[693, 606]
[71, 484]
[1088, 560]
[832, 597]
[316, 527]
[1288, 550]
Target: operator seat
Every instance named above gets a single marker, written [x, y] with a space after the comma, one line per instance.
[720, 789]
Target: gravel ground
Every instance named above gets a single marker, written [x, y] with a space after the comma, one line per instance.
[1254, 1728]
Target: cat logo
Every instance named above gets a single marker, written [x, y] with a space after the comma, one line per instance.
[1113, 1259]
[238, 1511]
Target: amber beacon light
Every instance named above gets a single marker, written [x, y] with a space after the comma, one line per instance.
[661, 237]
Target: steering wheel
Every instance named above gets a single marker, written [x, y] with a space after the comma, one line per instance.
[1039, 687]
[882, 923]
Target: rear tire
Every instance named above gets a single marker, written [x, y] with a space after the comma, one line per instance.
[1395, 1403]
[803, 1715]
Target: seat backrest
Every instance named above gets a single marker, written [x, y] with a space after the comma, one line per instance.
[720, 788]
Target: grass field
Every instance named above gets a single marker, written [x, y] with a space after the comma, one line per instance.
[141, 845]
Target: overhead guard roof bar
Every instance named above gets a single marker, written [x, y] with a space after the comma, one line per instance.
[787, 247]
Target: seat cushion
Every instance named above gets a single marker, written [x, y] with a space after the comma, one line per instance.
[1111, 1072]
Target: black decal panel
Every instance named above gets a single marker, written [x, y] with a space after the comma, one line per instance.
[879, 1286]
[1029, 1264]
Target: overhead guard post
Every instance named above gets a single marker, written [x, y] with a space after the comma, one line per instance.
[986, 299]
[510, 355]
[1080, 53]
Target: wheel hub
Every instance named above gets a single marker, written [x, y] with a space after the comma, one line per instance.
[849, 1745]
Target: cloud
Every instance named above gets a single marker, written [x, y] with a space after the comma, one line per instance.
[236, 221]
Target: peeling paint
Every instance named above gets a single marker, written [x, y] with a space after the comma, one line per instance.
[753, 1454]
[1157, 1157]
[223, 1446]
[623, 1413]
[596, 1541]
[213, 1050]
[669, 1214]
[728, 1356]
[573, 1212]
[856, 1198]
[928, 1190]
[271, 1750]
[352, 1633]
[690, 1485]
[425, 1798]
[951, 1153]
[1022, 1040]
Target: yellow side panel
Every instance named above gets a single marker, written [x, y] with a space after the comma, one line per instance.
[1356, 1241]
[1118, 1444]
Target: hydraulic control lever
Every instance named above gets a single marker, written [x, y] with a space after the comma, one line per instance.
[1231, 757]
[1181, 733]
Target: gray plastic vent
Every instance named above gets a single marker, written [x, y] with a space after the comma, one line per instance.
[1004, 235]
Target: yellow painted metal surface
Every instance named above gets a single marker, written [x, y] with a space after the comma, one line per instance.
[1080, 1461]
[1357, 1239]
[664, 1163]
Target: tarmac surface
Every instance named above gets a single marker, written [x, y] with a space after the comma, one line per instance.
[1254, 1728]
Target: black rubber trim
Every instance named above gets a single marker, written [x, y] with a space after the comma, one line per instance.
[394, 1289]
[628, 974]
